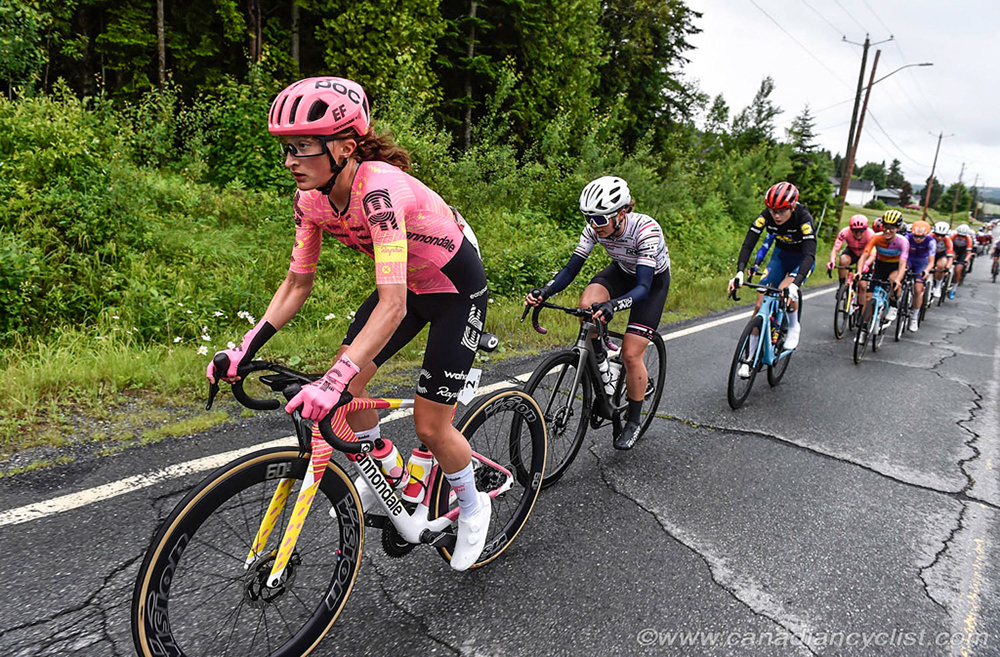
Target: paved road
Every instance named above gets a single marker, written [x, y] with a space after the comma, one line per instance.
[851, 510]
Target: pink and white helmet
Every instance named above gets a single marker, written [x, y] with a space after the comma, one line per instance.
[859, 222]
[320, 106]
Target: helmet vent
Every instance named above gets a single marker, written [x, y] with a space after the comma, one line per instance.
[295, 107]
[281, 110]
[317, 111]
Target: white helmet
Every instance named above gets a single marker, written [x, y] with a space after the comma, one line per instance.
[942, 228]
[604, 196]
[964, 230]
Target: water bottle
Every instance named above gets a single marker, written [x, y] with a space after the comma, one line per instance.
[389, 459]
[616, 372]
[605, 369]
[419, 470]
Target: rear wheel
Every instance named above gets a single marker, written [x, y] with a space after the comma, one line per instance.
[566, 410]
[928, 285]
[945, 288]
[655, 360]
[903, 312]
[996, 269]
[739, 387]
[506, 429]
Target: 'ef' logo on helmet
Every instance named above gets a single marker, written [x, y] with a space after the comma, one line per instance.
[338, 112]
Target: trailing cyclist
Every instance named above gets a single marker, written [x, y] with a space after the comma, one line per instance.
[638, 279]
[887, 254]
[920, 261]
[854, 238]
[944, 254]
[964, 247]
[352, 183]
[791, 261]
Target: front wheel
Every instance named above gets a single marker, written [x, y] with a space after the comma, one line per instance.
[566, 409]
[739, 387]
[996, 269]
[655, 360]
[865, 327]
[945, 288]
[507, 430]
[841, 311]
[200, 592]
[902, 313]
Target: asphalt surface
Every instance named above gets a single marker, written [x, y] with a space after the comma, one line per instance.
[851, 510]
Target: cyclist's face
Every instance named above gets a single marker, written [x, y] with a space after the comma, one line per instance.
[889, 231]
[858, 232]
[781, 216]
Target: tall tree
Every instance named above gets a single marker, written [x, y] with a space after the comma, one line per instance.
[22, 53]
[810, 169]
[754, 125]
[895, 177]
[873, 171]
[905, 194]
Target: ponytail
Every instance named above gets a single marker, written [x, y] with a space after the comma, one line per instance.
[381, 148]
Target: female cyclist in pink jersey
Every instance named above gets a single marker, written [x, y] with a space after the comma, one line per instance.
[855, 237]
[352, 183]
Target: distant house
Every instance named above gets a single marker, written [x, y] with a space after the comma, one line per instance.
[889, 196]
[859, 192]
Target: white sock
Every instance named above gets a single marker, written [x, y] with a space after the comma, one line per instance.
[754, 341]
[463, 483]
[914, 313]
[370, 434]
[793, 319]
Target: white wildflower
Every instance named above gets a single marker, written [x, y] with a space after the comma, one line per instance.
[330, 316]
[230, 345]
[114, 317]
[206, 338]
[202, 350]
[176, 340]
[219, 313]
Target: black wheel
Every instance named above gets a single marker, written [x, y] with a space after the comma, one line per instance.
[902, 312]
[945, 288]
[200, 591]
[853, 311]
[841, 311]
[566, 411]
[739, 388]
[995, 270]
[927, 300]
[865, 329]
[655, 360]
[878, 328]
[777, 370]
[506, 428]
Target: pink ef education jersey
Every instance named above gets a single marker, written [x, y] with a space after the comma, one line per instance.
[392, 217]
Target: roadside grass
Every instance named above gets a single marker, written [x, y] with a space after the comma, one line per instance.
[103, 388]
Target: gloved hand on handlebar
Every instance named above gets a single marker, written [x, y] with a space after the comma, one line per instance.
[246, 350]
[603, 311]
[736, 281]
[793, 291]
[536, 296]
[319, 397]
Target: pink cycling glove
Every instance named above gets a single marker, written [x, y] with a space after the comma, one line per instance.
[317, 398]
[246, 350]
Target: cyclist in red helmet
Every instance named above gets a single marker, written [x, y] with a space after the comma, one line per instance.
[794, 252]
[352, 184]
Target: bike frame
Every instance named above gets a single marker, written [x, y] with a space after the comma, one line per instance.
[415, 527]
[769, 305]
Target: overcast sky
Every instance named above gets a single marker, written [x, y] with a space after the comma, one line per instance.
[811, 64]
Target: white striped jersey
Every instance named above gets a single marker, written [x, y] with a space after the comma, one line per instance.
[640, 243]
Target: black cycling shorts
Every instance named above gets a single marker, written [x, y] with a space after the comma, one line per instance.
[852, 255]
[881, 270]
[960, 255]
[456, 321]
[644, 316]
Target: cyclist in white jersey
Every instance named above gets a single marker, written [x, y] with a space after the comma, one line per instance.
[638, 278]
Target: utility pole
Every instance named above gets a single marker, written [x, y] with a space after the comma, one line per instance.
[930, 179]
[973, 200]
[849, 169]
[954, 198]
[845, 180]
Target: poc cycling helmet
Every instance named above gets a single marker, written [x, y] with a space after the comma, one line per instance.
[892, 218]
[604, 197]
[321, 107]
[858, 222]
[878, 225]
[942, 228]
[921, 229]
[965, 230]
[781, 196]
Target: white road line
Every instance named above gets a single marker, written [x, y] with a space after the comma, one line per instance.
[131, 484]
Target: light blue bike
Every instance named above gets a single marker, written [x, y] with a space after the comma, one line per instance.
[771, 323]
[871, 327]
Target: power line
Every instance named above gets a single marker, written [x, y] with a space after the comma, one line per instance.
[799, 43]
[919, 86]
[901, 151]
[830, 107]
[816, 11]
[884, 26]
[851, 16]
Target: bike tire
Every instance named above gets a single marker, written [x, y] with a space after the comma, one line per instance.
[566, 412]
[738, 389]
[995, 270]
[945, 288]
[861, 338]
[928, 290]
[902, 313]
[506, 427]
[777, 370]
[655, 360]
[175, 611]
[841, 312]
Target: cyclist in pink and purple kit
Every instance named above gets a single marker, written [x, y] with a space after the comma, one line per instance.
[855, 236]
[352, 184]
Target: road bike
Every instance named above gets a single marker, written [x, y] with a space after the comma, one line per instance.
[771, 321]
[846, 309]
[568, 387]
[945, 285]
[871, 327]
[995, 269]
[234, 569]
[928, 297]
